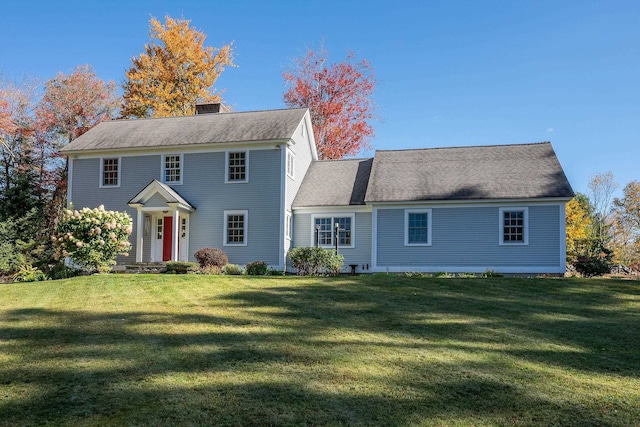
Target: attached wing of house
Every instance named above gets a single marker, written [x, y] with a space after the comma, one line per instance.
[461, 209]
[251, 184]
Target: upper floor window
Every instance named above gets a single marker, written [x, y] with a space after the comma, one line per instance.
[290, 163]
[236, 166]
[325, 230]
[417, 227]
[172, 168]
[514, 226]
[110, 172]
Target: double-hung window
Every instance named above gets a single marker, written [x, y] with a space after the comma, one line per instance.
[110, 172]
[514, 224]
[235, 228]
[325, 230]
[417, 227]
[236, 166]
[172, 168]
[290, 164]
[287, 225]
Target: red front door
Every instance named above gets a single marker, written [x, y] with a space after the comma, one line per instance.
[167, 238]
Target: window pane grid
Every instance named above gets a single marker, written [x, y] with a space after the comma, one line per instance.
[235, 229]
[290, 164]
[417, 231]
[344, 230]
[327, 231]
[110, 172]
[324, 238]
[513, 230]
[172, 169]
[237, 166]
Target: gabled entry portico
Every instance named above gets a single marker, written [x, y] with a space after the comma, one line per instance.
[162, 232]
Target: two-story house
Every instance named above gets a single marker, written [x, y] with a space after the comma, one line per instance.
[251, 184]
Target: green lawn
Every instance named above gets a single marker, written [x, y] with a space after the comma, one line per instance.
[380, 350]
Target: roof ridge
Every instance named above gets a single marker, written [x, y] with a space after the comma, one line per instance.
[467, 146]
[120, 120]
[357, 159]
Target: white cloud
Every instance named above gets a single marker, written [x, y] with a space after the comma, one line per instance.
[550, 130]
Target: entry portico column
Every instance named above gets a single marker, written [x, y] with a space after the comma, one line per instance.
[139, 235]
[175, 249]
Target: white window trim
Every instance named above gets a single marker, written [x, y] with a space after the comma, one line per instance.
[501, 241]
[101, 182]
[162, 169]
[406, 226]
[226, 224]
[246, 167]
[291, 173]
[288, 225]
[333, 215]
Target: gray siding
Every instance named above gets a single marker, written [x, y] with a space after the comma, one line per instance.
[136, 173]
[469, 236]
[360, 254]
[204, 187]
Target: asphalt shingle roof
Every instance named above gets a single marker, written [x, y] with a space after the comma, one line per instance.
[334, 183]
[188, 130]
[468, 173]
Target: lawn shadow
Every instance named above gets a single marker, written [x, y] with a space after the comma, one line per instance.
[287, 356]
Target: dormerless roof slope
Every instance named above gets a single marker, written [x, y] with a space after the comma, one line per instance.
[189, 130]
[468, 173]
[334, 183]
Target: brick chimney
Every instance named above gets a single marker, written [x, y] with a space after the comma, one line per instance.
[212, 108]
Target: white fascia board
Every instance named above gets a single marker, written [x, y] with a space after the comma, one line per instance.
[331, 209]
[468, 203]
[186, 149]
[310, 136]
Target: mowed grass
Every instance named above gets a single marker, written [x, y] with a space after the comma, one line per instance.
[366, 350]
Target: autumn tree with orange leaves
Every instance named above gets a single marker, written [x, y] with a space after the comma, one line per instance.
[71, 105]
[174, 73]
[339, 97]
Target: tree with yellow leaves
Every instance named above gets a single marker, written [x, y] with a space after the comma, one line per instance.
[579, 225]
[175, 73]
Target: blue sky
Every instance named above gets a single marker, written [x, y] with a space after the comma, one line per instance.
[450, 73]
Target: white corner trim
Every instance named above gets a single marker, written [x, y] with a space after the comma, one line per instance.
[70, 183]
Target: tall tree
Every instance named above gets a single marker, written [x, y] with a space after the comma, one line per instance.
[17, 131]
[340, 98]
[578, 225]
[74, 103]
[626, 224]
[601, 188]
[174, 73]
[71, 105]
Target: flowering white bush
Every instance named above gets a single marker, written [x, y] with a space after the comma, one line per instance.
[93, 237]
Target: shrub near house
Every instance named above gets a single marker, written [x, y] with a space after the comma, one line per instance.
[93, 238]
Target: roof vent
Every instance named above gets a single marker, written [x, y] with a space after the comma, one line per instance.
[212, 108]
